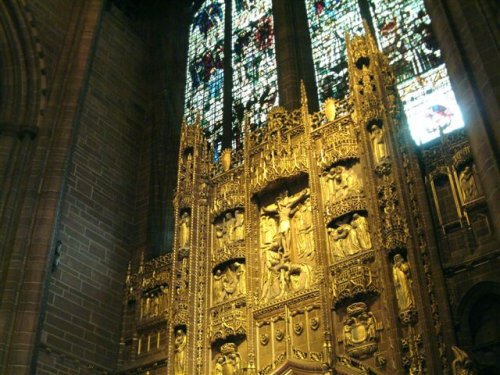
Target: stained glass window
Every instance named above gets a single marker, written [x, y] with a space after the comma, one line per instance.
[205, 74]
[255, 79]
[329, 20]
[404, 32]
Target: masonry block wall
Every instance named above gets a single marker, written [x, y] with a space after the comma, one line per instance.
[98, 215]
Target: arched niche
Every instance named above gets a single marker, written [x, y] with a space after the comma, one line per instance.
[479, 331]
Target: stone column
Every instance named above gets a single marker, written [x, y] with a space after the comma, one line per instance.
[293, 54]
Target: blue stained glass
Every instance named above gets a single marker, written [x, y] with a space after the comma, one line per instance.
[205, 75]
[329, 20]
[255, 80]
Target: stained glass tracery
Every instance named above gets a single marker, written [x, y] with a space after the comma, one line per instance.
[204, 84]
[404, 33]
[255, 77]
[329, 20]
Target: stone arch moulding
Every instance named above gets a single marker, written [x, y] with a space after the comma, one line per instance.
[467, 303]
[23, 83]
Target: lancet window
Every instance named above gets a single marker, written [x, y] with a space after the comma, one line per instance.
[205, 68]
[403, 31]
[255, 87]
[253, 84]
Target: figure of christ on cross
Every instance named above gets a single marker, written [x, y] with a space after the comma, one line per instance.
[285, 207]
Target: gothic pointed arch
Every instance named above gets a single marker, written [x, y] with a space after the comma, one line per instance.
[22, 73]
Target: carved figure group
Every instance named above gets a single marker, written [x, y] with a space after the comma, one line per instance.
[285, 207]
[153, 305]
[341, 182]
[468, 184]
[184, 230]
[229, 283]
[280, 275]
[349, 239]
[229, 361]
[231, 229]
[402, 283]
[180, 352]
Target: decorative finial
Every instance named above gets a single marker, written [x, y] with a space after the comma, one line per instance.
[141, 262]
[330, 108]
[303, 94]
[198, 119]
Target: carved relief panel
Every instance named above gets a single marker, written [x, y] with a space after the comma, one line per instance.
[360, 331]
[294, 333]
[342, 189]
[228, 236]
[348, 236]
[229, 281]
[286, 244]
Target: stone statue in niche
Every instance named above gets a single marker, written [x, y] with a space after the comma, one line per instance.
[187, 167]
[379, 146]
[164, 298]
[240, 274]
[239, 225]
[305, 240]
[468, 184]
[219, 363]
[184, 230]
[229, 284]
[229, 360]
[402, 283]
[335, 237]
[219, 237]
[341, 182]
[285, 207]
[180, 352]
[155, 306]
[345, 240]
[273, 281]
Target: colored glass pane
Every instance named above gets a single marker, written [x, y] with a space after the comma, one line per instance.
[205, 74]
[255, 79]
[329, 20]
[405, 35]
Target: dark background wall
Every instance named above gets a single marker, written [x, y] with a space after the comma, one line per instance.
[93, 166]
[98, 212]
